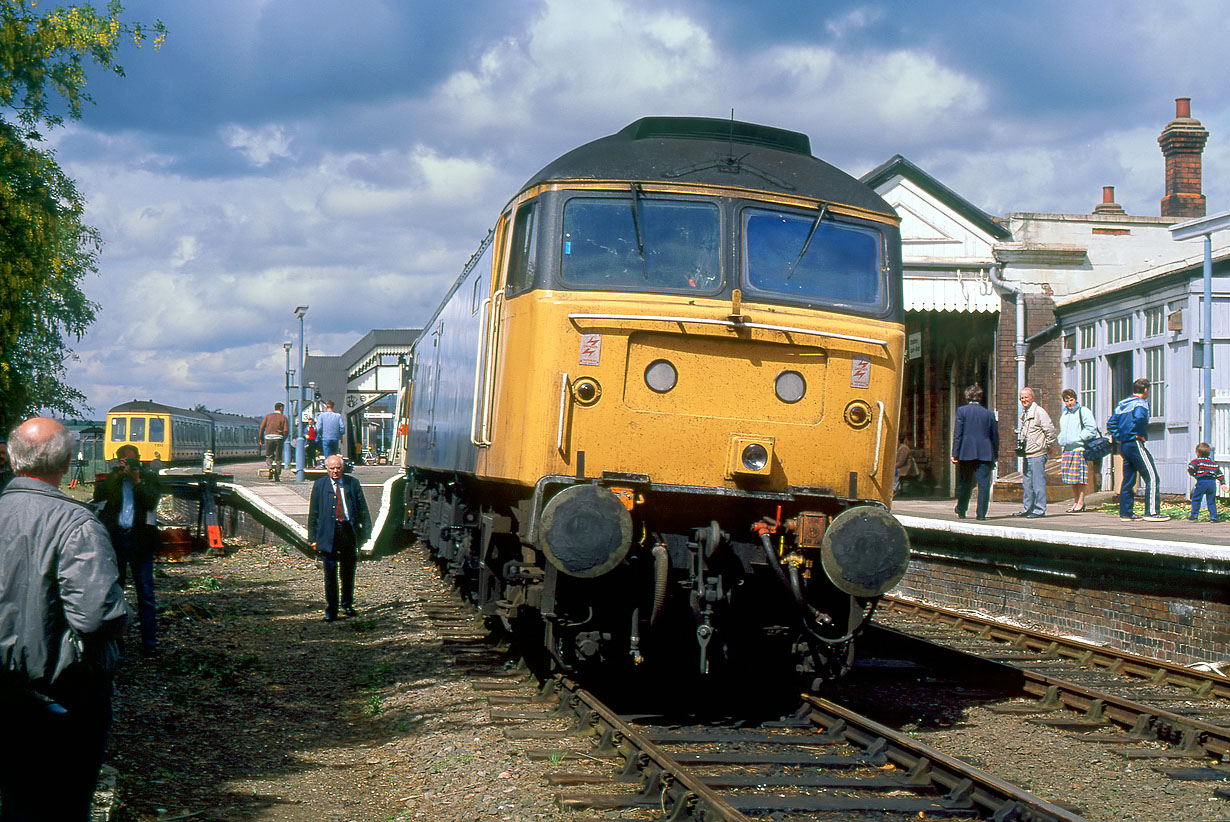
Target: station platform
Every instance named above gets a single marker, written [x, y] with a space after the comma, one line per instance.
[285, 503]
[1090, 528]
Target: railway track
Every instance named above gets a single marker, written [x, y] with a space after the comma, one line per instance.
[826, 763]
[831, 763]
[1151, 700]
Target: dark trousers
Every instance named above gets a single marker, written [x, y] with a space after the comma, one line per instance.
[1138, 462]
[1206, 489]
[340, 563]
[970, 472]
[141, 561]
[50, 760]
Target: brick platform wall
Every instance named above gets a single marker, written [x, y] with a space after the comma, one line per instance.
[1190, 626]
[233, 521]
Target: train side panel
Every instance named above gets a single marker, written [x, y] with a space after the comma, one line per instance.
[445, 358]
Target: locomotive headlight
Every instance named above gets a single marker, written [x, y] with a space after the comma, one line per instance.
[749, 456]
[586, 391]
[790, 386]
[858, 414]
[661, 376]
[755, 457]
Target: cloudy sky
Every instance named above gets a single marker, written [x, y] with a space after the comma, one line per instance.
[351, 156]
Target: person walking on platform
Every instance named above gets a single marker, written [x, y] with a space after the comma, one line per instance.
[1037, 434]
[1076, 427]
[975, 448]
[272, 433]
[330, 427]
[338, 522]
[127, 502]
[61, 610]
[1129, 425]
[1208, 476]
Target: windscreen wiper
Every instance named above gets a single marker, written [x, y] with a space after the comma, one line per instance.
[824, 207]
[636, 223]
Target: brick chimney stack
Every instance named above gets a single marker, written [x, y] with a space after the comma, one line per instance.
[1182, 143]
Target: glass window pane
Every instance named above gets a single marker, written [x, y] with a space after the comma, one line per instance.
[826, 261]
[521, 262]
[678, 245]
[1155, 371]
[157, 429]
[137, 433]
[119, 429]
[1089, 384]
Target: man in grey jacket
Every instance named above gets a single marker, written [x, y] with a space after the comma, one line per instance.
[61, 610]
[1038, 434]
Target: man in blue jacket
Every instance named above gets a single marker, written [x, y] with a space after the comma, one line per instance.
[975, 448]
[338, 522]
[1129, 425]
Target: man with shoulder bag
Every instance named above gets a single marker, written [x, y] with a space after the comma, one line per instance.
[1035, 436]
[61, 611]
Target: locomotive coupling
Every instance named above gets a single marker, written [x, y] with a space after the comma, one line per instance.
[585, 531]
[865, 551]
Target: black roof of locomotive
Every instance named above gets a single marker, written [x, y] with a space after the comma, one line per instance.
[714, 152]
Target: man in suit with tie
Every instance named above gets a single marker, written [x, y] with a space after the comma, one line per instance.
[975, 448]
[338, 522]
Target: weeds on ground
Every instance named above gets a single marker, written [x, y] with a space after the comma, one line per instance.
[207, 663]
[451, 761]
[196, 584]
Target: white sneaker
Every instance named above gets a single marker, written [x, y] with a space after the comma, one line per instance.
[1156, 518]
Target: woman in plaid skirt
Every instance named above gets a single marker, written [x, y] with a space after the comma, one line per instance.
[1076, 427]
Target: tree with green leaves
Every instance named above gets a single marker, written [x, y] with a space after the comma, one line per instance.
[45, 248]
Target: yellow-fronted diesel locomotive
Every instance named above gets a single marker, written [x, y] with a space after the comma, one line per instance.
[179, 436]
[651, 425]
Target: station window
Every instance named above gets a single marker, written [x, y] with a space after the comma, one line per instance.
[1119, 329]
[1088, 336]
[1155, 372]
[119, 429]
[1089, 384]
[157, 429]
[1155, 321]
[136, 432]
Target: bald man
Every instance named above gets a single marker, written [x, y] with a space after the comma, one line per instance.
[61, 611]
[338, 522]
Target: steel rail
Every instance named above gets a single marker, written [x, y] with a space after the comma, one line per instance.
[688, 796]
[996, 798]
[1142, 721]
[1158, 672]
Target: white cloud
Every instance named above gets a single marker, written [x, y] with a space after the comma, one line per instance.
[260, 145]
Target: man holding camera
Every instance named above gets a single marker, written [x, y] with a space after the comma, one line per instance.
[127, 504]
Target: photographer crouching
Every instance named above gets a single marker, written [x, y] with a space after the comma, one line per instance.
[127, 503]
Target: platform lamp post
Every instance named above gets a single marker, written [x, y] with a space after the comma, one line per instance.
[300, 310]
[1204, 227]
[286, 442]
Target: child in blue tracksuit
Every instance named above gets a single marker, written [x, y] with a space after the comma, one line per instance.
[1208, 476]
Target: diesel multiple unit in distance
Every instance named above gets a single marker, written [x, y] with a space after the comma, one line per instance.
[180, 436]
[652, 422]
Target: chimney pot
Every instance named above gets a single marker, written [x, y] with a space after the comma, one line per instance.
[1108, 194]
[1182, 107]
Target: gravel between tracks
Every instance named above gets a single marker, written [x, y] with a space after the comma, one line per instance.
[257, 709]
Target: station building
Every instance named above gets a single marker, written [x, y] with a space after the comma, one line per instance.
[364, 383]
[1083, 301]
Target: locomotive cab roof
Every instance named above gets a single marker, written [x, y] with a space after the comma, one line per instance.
[737, 154]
